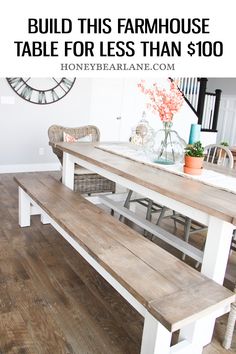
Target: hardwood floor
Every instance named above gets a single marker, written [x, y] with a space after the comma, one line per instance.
[52, 301]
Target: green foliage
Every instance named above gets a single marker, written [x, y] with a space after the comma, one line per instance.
[195, 150]
[224, 143]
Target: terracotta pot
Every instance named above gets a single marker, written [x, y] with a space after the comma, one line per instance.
[192, 171]
[193, 162]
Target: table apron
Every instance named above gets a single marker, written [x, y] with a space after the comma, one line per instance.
[159, 198]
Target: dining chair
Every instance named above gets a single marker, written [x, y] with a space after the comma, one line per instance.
[85, 182]
[142, 131]
[213, 154]
[230, 326]
[219, 155]
[233, 243]
[232, 315]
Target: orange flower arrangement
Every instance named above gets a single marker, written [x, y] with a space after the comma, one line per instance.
[163, 102]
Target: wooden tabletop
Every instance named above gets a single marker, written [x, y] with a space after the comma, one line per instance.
[209, 199]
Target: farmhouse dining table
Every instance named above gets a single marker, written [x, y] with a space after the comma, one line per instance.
[207, 204]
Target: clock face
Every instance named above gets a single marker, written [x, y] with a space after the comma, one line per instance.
[41, 90]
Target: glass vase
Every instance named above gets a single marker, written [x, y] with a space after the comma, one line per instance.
[166, 147]
[142, 132]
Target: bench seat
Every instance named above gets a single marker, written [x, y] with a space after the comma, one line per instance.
[167, 292]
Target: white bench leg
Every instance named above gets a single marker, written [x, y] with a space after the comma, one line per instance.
[198, 333]
[24, 208]
[45, 219]
[68, 171]
[156, 338]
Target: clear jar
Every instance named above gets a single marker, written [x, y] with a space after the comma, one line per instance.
[142, 133]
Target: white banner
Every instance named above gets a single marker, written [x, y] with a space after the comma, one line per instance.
[114, 39]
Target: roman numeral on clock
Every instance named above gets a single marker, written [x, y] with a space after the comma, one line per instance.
[43, 90]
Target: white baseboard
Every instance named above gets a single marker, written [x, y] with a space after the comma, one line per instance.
[30, 167]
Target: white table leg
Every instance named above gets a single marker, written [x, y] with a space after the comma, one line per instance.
[68, 171]
[156, 338]
[214, 263]
[217, 248]
[24, 208]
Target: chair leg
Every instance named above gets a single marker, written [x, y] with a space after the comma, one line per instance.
[112, 211]
[149, 210]
[128, 198]
[148, 215]
[127, 202]
[175, 223]
[230, 327]
[187, 227]
[162, 213]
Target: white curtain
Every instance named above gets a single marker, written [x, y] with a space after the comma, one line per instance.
[227, 120]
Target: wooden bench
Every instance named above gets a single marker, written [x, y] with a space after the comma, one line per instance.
[168, 293]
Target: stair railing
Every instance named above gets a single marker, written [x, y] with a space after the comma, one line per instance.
[204, 104]
[190, 87]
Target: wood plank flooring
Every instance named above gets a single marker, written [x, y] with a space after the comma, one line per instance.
[52, 301]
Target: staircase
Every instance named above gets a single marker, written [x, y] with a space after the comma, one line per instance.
[204, 104]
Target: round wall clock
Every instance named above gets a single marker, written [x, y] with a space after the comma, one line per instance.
[41, 90]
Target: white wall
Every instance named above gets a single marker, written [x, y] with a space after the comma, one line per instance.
[227, 113]
[24, 125]
[111, 98]
[208, 138]
[227, 120]
[227, 85]
[96, 101]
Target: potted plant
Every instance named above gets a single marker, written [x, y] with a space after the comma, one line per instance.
[224, 143]
[194, 155]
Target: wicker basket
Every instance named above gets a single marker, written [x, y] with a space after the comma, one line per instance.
[93, 183]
